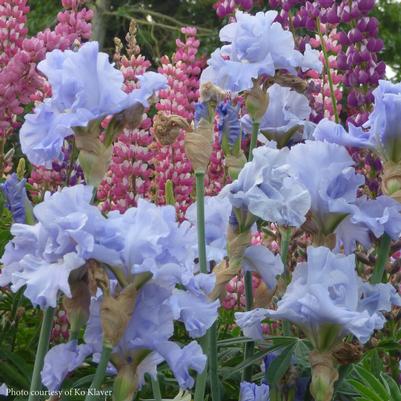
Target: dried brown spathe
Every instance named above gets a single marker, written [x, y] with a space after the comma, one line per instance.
[324, 375]
[116, 312]
[391, 180]
[237, 243]
[198, 145]
[166, 128]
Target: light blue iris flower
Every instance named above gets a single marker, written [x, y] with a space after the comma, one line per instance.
[382, 131]
[257, 46]
[69, 231]
[286, 117]
[85, 87]
[327, 300]
[327, 171]
[268, 188]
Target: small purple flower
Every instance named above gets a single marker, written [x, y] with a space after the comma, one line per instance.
[17, 201]
[201, 111]
[254, 392]
[228, 124]
[4, 390]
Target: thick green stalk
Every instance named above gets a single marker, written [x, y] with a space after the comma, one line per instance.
[213, 365]
[254, 139]
[249, 346]
[100, 373]
[200, 210]
[157, 395]
[74, 335]
[43, 346]
[285, 242]
[382, 256]
[201, 378]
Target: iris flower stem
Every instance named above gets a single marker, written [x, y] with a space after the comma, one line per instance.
[249, 346]
[201, 379]
[100, 372]
[285, 242]
[213, 365]
[43, 346]
[382, 256]
[200, 210]
[74, 335]
[157, 395]
[254, 139]
[328, 71]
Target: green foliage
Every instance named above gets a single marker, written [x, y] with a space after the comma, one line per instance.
[160, 23]
[372, 388]
[5, 224]
[388, 12]
[159, 26]
[42, 15]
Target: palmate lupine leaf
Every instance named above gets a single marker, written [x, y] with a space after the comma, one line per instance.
[392, 387]
[370, 388]
[15, 371]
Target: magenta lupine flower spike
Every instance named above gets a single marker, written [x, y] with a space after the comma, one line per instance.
[20, 82]
[172, 163]
[132, 168]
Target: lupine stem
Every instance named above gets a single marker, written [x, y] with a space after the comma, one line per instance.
[157, 395]
[100, 373]
[328, 71]
[382, 256]
[200, 210]
[2, 161]
[169, 193]
[43, 346]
